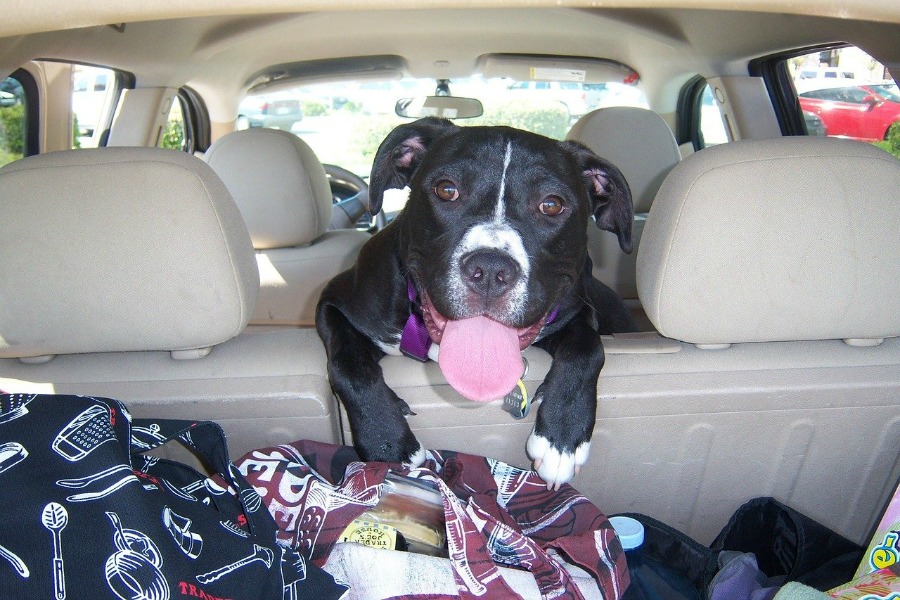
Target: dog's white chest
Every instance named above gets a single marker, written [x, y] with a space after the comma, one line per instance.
[393, 349]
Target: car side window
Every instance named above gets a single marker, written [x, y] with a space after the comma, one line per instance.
[844, 92]
[711, 120]
[854, 94]
[175, 135]
[13, 112]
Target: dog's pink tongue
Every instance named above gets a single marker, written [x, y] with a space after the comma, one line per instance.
[480, 358]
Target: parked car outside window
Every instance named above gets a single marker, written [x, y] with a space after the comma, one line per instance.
[580, 98]
[861, 112]
[279, 111]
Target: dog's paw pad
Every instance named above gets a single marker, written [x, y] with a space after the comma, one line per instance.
[552, 465]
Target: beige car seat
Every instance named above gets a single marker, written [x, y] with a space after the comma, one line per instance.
[129, 273]
[775, 240]
[282, 191]
[94, 227]
[642, 146]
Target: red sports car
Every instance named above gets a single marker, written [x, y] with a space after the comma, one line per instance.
[861, 112]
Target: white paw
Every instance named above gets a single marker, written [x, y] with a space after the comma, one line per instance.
[553, 466]
[417, 458]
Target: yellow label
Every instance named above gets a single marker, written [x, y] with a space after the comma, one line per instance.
[524, 404]
[367, 533]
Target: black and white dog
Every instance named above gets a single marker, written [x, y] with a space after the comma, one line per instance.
[488, 256]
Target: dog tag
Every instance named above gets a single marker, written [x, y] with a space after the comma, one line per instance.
[517, 403]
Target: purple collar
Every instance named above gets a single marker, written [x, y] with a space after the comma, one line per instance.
[415, 341]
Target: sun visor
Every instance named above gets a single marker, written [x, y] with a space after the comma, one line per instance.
[358, 68]
[528, 67]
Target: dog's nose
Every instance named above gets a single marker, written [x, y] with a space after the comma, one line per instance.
[489, 273]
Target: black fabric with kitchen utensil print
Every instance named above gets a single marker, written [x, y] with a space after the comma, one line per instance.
[84, 514]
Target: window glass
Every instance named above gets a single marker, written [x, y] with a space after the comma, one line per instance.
[12, 120]
[844, 92]
[712, 122]
[94, 94]
[344, 122]
[174, 135]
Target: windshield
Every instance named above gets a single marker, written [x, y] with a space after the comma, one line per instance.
[344, 123]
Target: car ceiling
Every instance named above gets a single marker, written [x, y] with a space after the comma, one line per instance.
[217, 55]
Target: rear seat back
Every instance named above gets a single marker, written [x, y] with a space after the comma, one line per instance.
[118, 261]
[641, 144]
[282, 191]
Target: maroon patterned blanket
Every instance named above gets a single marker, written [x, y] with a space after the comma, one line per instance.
[495, 514]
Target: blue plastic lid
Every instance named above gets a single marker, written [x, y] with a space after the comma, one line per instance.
[630, 532]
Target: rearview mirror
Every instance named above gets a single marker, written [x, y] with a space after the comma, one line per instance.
[447, 107]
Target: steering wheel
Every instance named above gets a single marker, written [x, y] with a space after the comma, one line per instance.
[348, 211]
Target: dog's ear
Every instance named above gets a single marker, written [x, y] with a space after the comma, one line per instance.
[609, 192]
[399, 156]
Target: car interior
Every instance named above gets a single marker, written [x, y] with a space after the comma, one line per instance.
[181, 277]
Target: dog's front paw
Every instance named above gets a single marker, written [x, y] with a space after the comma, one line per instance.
[554, 465]
[416, 458]
[401, 448]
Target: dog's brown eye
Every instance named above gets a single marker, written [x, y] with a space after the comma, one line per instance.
[551, 206]
[446, 191]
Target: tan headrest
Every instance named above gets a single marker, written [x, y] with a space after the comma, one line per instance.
[637, 141]
[278, 184]
[775, 240]
[116, 249]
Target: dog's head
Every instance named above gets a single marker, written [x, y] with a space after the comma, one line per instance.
[496, 220]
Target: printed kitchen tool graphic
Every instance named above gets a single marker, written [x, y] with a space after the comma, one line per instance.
[260, 554]
[11, 454]
[133, 571]
[234, 528]
[251, 500]
[102, 492]
[147, 465]
[180, 527]
[84, 434]
[14, 406]
[144, 438]
[80, 482]
[55, 517]
[293, 573]
[17, 563]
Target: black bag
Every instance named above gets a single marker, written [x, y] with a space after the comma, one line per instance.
[789, 546]
[85, 515]
[687, 559]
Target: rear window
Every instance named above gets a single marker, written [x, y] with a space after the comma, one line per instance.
[345, 122]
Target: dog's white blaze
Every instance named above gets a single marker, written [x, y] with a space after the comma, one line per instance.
[500, 210]
[494, 235]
